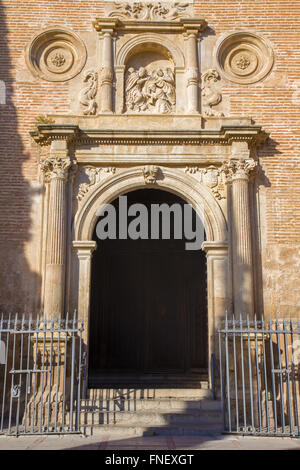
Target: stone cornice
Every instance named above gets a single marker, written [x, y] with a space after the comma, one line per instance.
[181, 25]
[46, 133]
[252, 134]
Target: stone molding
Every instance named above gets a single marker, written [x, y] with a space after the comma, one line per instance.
[252, 134]
[84, 248]
[56, 54]
[183, 25]
[243, 57]
[160, 40]
[174, 179]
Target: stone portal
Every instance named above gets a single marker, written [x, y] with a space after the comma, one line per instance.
[148, 315]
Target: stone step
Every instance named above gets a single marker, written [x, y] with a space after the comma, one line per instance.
[122, 430]
[178, 404]
[152, 417]
[149, 393]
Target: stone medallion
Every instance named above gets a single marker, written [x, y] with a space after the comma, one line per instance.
[56, 55]
[244, 57]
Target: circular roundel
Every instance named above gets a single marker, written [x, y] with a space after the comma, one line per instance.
[56, 55]
[244, 57]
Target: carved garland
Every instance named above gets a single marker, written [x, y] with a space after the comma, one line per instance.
[150, 11]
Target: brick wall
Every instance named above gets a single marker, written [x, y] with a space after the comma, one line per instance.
[273, 103]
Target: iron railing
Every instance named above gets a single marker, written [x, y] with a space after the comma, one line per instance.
[40, 375]
[260, 376]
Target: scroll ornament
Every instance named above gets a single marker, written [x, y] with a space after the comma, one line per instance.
[88, 94]
[151, 11]
[210, 95]
[93, 174]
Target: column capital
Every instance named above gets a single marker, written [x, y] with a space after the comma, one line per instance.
[238, 169]
[215, 248]
[193, 26]
[84, 248]
[105, 25]
[56, 166]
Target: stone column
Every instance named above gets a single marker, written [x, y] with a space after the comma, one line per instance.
[106, 72]
[238, 172]
[217, 291]
[84, 251]
[192, 71]
[55, 168]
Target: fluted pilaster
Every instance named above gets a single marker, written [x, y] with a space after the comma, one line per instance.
[237, 173]
[55, 169]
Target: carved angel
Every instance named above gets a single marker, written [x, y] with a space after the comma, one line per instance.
[135, 97]
[161, 91]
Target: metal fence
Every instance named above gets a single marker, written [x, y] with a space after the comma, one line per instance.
[260, 376]
[40, 375]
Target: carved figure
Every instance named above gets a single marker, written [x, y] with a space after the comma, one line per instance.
[210, 95]
[136, 99]
[88, 93]
[153, 91]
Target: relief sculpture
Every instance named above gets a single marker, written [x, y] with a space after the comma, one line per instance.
[151, 10]
[88, 93]
[150, 91]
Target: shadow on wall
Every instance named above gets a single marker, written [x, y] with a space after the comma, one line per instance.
[20, 286]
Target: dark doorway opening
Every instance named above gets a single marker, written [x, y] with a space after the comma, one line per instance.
[148, 314]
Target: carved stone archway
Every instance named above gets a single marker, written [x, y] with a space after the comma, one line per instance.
[172, 180]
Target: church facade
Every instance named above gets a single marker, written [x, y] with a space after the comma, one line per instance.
[195, 101]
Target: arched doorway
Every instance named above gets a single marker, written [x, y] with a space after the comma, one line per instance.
[148, 310]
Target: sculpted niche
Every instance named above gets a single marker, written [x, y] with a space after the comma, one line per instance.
[150, 81]
[152, 91]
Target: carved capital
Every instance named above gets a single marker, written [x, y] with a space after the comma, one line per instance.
[238, 169]
[150, 173]
[55, 167]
